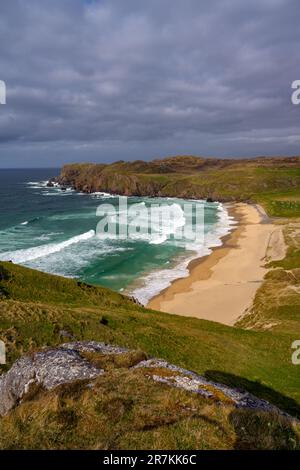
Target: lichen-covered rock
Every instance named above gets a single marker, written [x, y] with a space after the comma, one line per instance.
[72, 361]
[189, 381]
[48, 368]
[94, 346]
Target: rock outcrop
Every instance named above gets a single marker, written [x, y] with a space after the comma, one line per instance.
[186, 380]
[70, 362]
[49, 368]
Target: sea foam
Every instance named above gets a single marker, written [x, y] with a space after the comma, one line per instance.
[30, 254]
[158, 280]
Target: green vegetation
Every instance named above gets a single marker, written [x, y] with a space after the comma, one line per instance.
[277, 303]
[125, 410]
[39, 309]
[272, 182]
[281, 203]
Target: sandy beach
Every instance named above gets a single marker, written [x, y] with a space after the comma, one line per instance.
[221, 287]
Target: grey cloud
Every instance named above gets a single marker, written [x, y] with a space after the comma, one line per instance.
[115, 79]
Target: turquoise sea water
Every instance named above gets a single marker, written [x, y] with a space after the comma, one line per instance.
[54, 231]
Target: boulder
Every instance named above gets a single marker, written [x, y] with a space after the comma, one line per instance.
[74, 361]
[47, 368]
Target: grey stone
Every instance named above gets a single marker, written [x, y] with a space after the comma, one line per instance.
[94, 346]
[189, 381]
[64, 364]
[48, 368]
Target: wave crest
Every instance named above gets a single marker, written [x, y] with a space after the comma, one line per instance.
[29, 254]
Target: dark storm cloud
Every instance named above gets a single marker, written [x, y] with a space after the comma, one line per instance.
[133, 79]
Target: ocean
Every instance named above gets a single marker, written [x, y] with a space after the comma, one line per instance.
[54, 230]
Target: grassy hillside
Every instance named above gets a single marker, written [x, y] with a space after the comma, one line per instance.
[277, 303]
[124, 409]
[39, 309]
[273, 182]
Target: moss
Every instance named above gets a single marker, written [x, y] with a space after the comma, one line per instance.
[114, 361]
[217, 394]
[72, 390]
[67, 418]
[160, 372]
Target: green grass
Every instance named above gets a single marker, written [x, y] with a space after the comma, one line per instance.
[38, 310]
[38, 306]
[281, 203]
[276, 306]
[126, 410]
[272, 182]
[30, 285]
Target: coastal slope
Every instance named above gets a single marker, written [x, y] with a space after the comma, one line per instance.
[39, 309]
[273, 182]
[221, 287]
[124, 408]
[127, 408]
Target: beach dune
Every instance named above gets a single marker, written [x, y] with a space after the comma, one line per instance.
[221, 287]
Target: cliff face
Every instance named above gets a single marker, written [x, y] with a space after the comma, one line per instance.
[186, 177]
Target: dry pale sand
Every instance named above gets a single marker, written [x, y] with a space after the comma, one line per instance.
[221, 287]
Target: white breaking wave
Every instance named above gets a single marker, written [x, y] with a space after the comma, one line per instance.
[37, 184]
[58, 192]
[54, 190]
[177, 221]
[162, 224]
[75, 258]
[155, 225]
[29, 254]
[73, 216]
[158, 280]
[102, 195]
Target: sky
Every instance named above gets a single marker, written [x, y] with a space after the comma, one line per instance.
[129, 79]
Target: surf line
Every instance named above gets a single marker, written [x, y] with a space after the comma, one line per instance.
[123, 221]
[30, 254]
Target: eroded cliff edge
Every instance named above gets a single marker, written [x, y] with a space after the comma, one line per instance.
[186, 177]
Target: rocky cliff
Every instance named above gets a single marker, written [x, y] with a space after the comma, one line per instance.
[186, 176]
